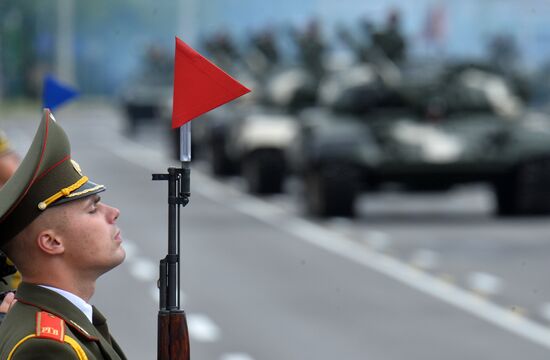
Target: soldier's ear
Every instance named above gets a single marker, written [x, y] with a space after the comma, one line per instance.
[49, 242]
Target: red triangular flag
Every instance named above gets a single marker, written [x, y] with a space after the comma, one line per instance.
[199, 85]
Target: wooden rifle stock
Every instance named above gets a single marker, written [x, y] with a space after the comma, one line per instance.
[173, 336]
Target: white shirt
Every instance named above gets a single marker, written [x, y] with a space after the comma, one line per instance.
[75, 300]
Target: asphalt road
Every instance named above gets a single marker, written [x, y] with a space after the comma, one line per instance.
[415, 277]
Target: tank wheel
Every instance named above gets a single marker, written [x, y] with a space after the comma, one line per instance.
[331, 191]
[220, 163]
[136, 116]
[264, 171]
[525, 191]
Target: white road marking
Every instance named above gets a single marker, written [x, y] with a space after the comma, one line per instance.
[484, 284]
[131, 250]
[202, 328]
[425, 259]
[421, 281]
[389, 266]
[236, 356]
[518, 310]
[209, 187]
[378, 240]
[341, 225]
[258, 210]
[144, 269]
[408, 275]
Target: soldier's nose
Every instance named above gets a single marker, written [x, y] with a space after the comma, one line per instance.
[114, 213]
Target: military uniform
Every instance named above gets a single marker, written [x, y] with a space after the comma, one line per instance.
[44, 324]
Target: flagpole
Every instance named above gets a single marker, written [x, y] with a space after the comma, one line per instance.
[185, 142]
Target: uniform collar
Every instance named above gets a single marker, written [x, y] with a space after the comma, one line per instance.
[52, 302]
[75, 300]
[58, 305]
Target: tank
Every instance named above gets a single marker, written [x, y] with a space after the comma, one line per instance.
[250, 138]
[146, 94]
[423, 133]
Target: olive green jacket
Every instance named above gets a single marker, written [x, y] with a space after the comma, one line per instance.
[71, 336]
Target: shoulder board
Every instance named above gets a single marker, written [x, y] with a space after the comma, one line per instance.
[49, 326]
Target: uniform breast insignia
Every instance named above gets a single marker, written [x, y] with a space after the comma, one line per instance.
[49, 326]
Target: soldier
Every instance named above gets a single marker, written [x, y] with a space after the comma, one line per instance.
[264, 42]
[223, 50]
[264, 55]
[61, 237]
[390, 41]
[312, 49]
[8, 159]
[361, 47]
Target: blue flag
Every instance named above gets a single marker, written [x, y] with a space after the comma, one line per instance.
[56, 93]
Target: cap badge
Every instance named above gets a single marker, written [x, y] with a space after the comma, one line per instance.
[76, 167]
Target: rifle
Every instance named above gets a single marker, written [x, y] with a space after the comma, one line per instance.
[199, 86]
[173, 335]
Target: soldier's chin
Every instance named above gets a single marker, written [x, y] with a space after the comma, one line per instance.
[123, 255]
[119, 259]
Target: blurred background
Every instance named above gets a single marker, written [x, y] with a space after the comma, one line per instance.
[77, 41]
[383, 192]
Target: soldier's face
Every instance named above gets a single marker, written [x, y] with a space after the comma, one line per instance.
[91, 238]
